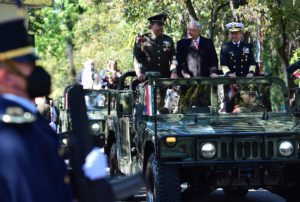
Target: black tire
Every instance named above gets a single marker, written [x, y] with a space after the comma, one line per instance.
[235, 193]
[163, 184]
[291, 194]
[193, 194]
[113, 161]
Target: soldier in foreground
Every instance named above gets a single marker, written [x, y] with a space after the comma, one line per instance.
[236, 56]
[31, 167]
[155, 51]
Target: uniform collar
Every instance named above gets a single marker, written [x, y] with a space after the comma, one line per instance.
[27, 104]
[238, 43]
[153, 36]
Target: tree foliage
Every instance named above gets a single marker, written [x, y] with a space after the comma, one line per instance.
[104, 29]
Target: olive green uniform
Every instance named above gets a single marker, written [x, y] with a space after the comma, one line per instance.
[153, 53]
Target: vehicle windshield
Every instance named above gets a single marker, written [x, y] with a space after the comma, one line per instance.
[99, 103]
[220, 96]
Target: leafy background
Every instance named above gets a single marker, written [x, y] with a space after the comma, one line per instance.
[106, 29]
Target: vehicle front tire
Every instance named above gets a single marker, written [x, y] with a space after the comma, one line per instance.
[163, 184]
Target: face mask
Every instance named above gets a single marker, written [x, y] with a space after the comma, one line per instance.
[38, 83]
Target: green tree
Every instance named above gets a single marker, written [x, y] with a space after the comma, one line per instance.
[102, 30]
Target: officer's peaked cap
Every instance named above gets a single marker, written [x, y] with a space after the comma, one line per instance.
[235, 26]
[160, 18]
[14, 43]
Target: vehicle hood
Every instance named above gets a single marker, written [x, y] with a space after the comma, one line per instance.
[227, 124]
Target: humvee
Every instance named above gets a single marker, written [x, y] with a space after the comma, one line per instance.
[99, 103]
[192, 136]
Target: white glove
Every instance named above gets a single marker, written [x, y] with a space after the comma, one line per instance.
[53, 126]
[95, 164]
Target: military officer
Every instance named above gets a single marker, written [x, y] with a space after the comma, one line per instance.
[32, 169]
[155, 51]
[236, 56]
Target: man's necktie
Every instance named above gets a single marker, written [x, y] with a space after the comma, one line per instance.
[196, 45]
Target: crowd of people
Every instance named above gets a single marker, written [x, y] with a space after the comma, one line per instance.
[46, 107]
[90, 78]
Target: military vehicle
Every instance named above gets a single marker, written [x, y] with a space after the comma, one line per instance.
[86, 108]
[99, 103]
[192, 136]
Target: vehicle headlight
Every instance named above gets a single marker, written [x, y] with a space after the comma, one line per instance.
[95, 127]
[286, 148]
[208, 150]
[170, 142]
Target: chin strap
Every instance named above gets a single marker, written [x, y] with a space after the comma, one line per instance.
[12, 67]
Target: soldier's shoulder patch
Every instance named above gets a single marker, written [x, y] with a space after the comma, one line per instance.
[16, 115]
[146, 35]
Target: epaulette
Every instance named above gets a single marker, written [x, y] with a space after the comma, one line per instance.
[16, 115]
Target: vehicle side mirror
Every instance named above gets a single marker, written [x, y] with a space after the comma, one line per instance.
[124, 103]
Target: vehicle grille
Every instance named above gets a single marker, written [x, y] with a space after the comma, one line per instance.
[246, 149]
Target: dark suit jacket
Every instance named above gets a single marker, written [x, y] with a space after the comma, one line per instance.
[196, 62]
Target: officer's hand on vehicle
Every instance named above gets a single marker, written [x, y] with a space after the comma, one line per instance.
[250, 75]
[174, 75]
[141, 77]
[186, 75]
[214, 75]
[232, 75]
[95, 165]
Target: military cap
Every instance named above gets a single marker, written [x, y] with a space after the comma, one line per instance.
[14, 40]
[160, 18]
[235, 26]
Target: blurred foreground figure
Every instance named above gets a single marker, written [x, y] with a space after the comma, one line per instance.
[31, 167]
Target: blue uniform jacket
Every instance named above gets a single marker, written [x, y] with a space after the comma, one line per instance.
[239, 60]
[31, 169]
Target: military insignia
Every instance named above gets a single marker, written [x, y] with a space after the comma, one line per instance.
[16, 115]
[140, 40]
[166, 45]
[147, 43]
[231, 54]
[246, 50]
